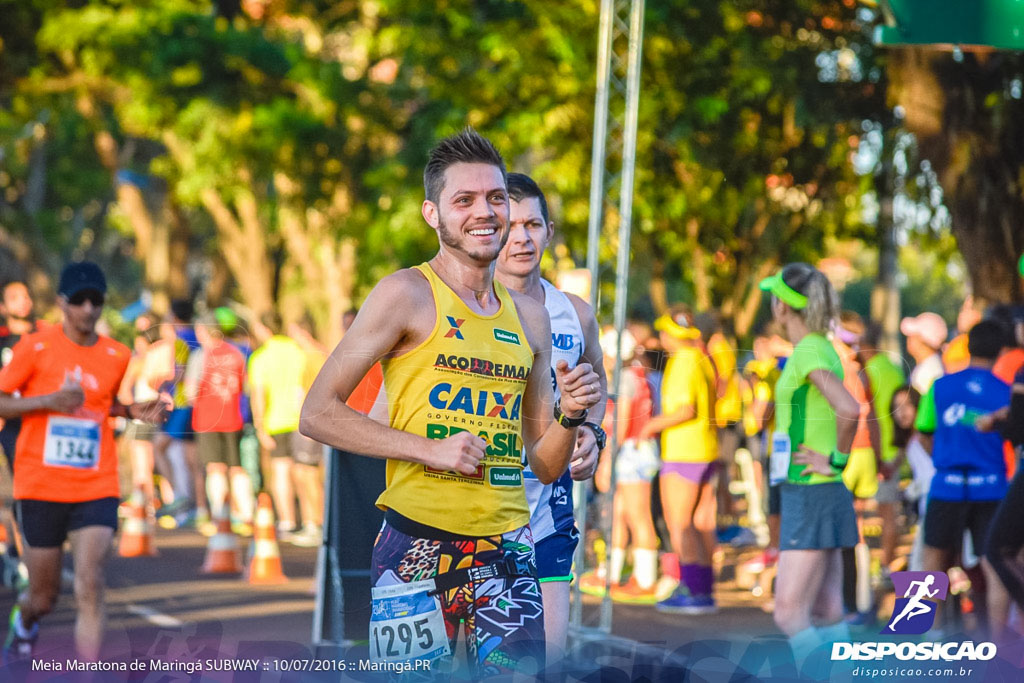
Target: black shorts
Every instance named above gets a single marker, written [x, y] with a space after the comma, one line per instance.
[219, 447]
[946, 520]
[45, 524]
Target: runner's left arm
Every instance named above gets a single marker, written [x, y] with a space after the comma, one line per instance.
[548, 444]
[585, 457]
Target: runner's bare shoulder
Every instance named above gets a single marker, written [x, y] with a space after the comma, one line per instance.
[584, 311]
[403, 305]
[534, 319]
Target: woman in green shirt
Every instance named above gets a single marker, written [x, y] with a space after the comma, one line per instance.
[815, 421]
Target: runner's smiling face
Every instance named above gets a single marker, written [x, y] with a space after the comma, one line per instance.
[528, 237]
[471, 215]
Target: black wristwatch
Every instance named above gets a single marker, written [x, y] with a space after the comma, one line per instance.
[565, 420]
[599, 434]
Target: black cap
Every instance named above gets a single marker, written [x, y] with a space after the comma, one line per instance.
[80, 276]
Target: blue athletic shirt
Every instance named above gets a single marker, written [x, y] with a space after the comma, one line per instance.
[969, 464]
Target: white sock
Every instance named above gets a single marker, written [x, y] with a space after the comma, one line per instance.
[217, 494]
[804, 643]
[838, 632]
[645, 567]
[241, 491]
[618, 562]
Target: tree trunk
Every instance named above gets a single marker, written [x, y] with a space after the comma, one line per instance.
[245, 252]
[973, 135]
[701, 285]
[657, 288]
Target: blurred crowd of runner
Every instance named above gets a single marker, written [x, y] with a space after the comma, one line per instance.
[824, 452]
[691, 404]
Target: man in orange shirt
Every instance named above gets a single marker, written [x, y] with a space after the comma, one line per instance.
[63, 383]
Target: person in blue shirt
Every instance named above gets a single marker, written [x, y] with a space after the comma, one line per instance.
[970, 471]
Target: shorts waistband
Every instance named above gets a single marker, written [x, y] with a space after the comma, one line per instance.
[411, 527]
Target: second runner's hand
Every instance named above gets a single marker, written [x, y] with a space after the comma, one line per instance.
[579, 388]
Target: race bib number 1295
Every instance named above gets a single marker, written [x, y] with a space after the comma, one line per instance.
[406, 623]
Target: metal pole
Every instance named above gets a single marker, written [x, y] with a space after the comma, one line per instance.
[323, 631]
[604, 50]
[636, 27]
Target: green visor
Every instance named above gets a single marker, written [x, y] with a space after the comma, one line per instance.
[783, 292]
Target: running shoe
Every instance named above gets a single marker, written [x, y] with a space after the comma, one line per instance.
[309, 536]
[16, 647]
[684, 603]
[592, 583]
[865, 620]
[758, 564]
[631, 593]
[241, 528]
[666, 587]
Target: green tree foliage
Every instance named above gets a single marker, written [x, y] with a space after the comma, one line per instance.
[298, 130]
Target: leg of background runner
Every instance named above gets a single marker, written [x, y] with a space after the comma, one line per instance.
[44, 566]
[242, 493]
[217, 488]
[998, 602]
[636, 504]
[198, 475]
[705, 516]
[142, 467]
[799, 580]
[678, 500]
[936, 560]
[281, 490]
[90, 547]
[309, 491]
[556, 617]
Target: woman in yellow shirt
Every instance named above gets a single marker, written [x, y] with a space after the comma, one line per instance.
[689, 448]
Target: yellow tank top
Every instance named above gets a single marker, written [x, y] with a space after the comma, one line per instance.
[469, 375]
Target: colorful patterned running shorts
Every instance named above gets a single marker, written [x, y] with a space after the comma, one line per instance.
[503, 617]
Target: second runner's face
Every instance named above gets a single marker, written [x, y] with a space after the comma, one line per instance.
[528, 238]
[471, 216]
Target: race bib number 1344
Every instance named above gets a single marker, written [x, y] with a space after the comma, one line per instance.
[72, 442]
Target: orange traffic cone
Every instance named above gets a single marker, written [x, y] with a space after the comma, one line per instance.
[222, 551]
[265, 566]
[136, 534]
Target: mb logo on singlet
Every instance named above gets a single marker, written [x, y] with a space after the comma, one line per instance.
[914, 613]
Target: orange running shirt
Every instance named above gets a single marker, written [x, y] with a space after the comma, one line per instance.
[66, 458]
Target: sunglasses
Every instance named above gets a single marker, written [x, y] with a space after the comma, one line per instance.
[92, 296]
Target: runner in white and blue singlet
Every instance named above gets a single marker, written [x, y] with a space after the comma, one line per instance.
[574, 339]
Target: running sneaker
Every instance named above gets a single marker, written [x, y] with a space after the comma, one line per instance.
[684, 603]
[309, 536]
[631, 593]
[241, 528]
[666, 587]
[592, 583]
[16, 647]
[758, 564]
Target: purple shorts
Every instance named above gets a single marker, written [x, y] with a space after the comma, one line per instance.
[697, 472]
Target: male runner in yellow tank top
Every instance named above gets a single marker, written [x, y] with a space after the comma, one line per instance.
[467, 380]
